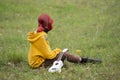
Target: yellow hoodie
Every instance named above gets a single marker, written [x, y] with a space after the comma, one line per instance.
[40, 49]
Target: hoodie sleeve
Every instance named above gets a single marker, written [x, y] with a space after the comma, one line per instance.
[46, 51]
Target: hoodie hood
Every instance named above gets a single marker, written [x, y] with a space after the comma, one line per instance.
[33, 36]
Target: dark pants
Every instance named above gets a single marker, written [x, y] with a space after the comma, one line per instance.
[66, 56]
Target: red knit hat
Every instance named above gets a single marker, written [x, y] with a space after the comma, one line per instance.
[44, 22]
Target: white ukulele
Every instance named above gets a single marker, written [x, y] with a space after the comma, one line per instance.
[57, 65]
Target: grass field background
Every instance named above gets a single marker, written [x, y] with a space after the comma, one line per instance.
[88, 28]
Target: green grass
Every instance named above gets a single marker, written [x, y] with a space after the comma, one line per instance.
[90, 26]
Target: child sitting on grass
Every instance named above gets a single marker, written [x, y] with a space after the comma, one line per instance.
[40, 53]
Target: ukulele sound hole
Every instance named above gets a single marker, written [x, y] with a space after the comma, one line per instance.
[56, 64]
